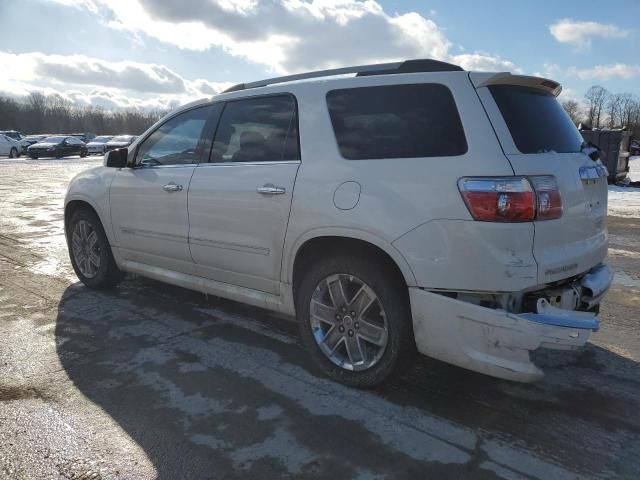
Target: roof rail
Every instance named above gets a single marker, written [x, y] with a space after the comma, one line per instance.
[408, 66]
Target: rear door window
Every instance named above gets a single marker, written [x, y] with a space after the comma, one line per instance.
[259, 129]
[536, 120]
[396, 121]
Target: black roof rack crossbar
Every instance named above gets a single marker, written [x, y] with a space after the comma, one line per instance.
[408, 66]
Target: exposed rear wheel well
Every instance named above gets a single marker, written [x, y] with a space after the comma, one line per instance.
[322, 247]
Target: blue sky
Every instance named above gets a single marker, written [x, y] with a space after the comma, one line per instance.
[159, 53]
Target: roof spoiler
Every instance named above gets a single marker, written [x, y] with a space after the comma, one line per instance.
[505, 78]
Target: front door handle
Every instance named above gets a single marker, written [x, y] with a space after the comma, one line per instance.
[172, 187]
[271, 189]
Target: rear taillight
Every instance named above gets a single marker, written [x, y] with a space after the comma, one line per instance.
[511, 199]
[549, 203]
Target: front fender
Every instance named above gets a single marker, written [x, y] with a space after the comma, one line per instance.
[92, 187]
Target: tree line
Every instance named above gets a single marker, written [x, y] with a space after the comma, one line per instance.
[39, 113]
[603, 109]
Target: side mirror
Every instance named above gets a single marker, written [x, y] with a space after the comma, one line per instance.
[117, 158]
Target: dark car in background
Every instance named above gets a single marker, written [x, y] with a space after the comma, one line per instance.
[119, 141]
[58, 146]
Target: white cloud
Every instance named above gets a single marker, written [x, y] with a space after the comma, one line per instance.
[284, 36]
[90, 81]
[606, 72]
[580, 34]
[485, 63]
[289, 36]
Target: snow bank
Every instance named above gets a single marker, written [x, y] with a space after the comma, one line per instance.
[625, 201]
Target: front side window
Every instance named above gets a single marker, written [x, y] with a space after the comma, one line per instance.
[536, 120]
[396, 121]
[176, 141]
[261, 129]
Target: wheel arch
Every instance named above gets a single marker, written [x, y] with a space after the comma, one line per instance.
[73, 205]
[308, 246]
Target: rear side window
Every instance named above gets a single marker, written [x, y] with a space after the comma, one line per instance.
[261, 129]
[536, 120]
[396, 121]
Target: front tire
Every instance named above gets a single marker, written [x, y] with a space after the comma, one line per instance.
[90, 252]
[354, 319]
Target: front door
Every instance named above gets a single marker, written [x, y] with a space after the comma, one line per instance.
[239, 202]
[149, 202]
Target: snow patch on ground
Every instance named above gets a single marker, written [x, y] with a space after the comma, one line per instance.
[625, 201]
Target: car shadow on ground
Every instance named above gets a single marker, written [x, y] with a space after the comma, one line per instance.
[213, 388]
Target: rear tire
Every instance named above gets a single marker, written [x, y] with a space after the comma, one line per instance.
[90, 252]
[390, 311]
[13, 153]
[33, 157]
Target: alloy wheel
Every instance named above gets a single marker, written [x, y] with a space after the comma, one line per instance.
[348, 322]
[86, 248]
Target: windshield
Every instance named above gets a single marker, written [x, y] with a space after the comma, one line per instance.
[53, 140]
[121, 138]
[102, 139]
[536, 120]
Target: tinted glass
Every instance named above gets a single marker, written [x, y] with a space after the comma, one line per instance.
[536, 120]
[176, 140]
[396, 121]
[257, 130]
[74, 141]
[53, 139]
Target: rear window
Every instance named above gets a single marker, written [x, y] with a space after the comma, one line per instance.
[396, 121]
[536, 120]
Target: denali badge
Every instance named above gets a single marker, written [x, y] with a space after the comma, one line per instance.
[561, 269]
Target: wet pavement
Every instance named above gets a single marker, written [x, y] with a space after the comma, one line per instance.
[153, 381]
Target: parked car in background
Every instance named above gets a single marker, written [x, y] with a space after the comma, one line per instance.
[18, 137]
[85, 137]
[58, 146]
[97, 145]
[9, 147]
[12, 134]
[119, 141]
[30, 140]
[635, 148]
[455, 213]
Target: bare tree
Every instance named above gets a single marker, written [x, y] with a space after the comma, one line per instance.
[596, 98]
[628, 103]
[573, 110]
[38, 113]
[614, 104]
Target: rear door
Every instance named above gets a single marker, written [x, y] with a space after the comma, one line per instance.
[239, 202]
[538, 138]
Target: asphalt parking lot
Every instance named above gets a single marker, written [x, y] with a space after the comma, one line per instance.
[152, 381]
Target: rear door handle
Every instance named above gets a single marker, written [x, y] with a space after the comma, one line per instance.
[271, 189]
[172, 187]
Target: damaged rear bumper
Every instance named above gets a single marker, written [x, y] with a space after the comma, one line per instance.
[496, 342]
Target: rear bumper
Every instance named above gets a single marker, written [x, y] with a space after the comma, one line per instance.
[496, 342]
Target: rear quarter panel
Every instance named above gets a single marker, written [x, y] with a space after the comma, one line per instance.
[396, 195]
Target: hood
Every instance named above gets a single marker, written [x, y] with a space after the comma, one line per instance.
[95, 144]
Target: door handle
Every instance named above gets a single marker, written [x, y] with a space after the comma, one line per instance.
[271, 189]
[172, 187]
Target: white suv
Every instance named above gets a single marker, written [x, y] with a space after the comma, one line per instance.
[413, 206]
